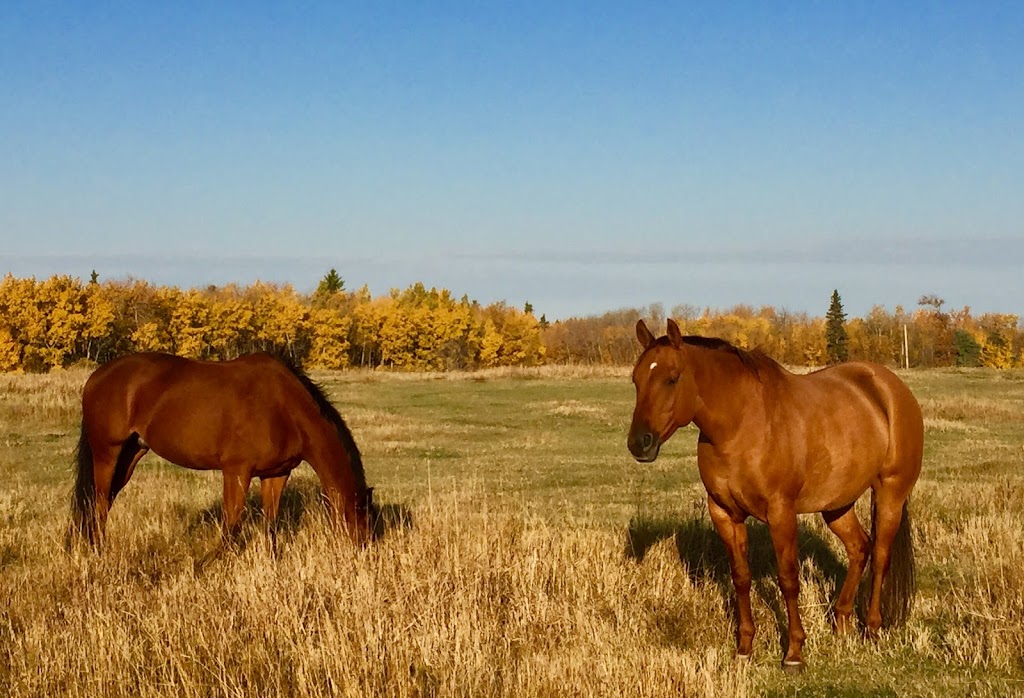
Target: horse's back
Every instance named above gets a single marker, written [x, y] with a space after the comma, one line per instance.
[199, 413]
[110, 389]
[835, 431]
[136, 368]
[878, 384]
[892, 401]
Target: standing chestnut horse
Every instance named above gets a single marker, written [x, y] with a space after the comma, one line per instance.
[773, 445]
[253, 416]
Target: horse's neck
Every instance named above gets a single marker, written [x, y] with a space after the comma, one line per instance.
[727, 390]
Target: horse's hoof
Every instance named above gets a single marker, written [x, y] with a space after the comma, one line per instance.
[742, 658]
[793, 667]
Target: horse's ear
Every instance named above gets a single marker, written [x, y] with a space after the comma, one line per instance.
[674, 335]
[644, 334]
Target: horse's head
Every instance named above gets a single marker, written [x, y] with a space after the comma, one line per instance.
[666, 391]
[369, 512]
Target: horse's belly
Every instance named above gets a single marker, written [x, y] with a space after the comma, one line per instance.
[186, 458]
[837, 489]
[221, 449]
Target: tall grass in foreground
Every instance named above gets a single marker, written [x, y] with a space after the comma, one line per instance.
[466, 601]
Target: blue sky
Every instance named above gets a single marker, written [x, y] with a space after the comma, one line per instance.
[580, 156]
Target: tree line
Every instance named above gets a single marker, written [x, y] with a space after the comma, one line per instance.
[934, 337]
[62, 321]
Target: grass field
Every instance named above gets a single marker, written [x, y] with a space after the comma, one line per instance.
[526, 554]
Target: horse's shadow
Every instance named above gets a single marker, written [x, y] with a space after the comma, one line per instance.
[702, 552]
[299, 496]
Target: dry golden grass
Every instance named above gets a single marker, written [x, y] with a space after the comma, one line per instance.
[38, 396]
[525, 555]
[466, 601]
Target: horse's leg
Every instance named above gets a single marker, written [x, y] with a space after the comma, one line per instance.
[887, 517]
[104, 466]
[734, 535]
[845, 524]
[131, 453]
[782, 527]
[236, 485]
[270, 495]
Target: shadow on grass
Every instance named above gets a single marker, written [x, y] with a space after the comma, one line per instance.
[702, 552]
[299, 496]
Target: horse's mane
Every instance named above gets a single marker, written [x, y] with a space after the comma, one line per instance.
[754, 360]
[330, 413]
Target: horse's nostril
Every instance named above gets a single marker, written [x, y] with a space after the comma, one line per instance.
[647, 440]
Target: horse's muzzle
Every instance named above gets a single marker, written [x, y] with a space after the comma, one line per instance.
[644, 447]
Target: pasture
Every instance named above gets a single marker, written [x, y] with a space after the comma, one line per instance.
[524, 553]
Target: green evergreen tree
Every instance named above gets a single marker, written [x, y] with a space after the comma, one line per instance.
[835, 331]
[968, 351]
[331, 283]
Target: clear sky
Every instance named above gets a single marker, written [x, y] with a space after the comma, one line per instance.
[583, 156]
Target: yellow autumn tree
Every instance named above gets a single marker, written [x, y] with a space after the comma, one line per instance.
[368, 319]
[281, 319]
[329, 343]
[511, 338]
[996, 333]
[98, 328]
[14, 296]
[61, 302]
[232, 329]
[394, 337]
[190, 324]
[491, 341]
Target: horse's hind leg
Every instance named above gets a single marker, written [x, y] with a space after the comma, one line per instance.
[889, 522]
[132, 451]
[104, 466]
[845, 524]
[112, 468]
[270, 495]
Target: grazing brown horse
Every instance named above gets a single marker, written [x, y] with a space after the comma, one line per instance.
[254, 416]
[773, 445]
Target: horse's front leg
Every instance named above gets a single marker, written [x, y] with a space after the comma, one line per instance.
[782, 527]
[270, 496]
[236, 486]
[734, 533]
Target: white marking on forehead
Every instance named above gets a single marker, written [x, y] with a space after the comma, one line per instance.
[653, 364]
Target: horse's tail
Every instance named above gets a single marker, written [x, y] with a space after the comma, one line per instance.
[900, 582]
[83, 498]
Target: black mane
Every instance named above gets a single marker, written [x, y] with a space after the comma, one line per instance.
[330, 413]
[753, 361]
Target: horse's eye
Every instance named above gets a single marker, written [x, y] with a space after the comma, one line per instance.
[672, 381]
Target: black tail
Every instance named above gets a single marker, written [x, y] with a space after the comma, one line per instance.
[83, 499]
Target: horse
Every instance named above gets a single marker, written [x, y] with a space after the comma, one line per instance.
[254, 416]
[772, 445]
